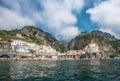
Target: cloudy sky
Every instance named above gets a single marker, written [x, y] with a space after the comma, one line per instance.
[64, 19]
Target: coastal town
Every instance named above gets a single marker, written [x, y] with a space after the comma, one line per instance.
[25, 50]
[59, 40]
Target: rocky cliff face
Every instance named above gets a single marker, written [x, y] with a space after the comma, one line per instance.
[82, 41]
[103, 34]
[41, 36]
[30, 34]
[107, 44]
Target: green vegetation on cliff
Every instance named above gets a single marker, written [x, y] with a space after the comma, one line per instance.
[38, 36]
[31, 34]
[103, 39]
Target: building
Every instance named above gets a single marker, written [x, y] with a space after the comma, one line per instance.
[21, 46]
[24, 48]
[92, 48]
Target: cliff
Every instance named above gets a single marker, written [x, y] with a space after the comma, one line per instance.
[98, 43]
[104, 34]
[106, 44]
[29, 34]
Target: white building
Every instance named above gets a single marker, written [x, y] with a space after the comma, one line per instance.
[36, 51]
[47, 50]
[92, 47]
[21, 46]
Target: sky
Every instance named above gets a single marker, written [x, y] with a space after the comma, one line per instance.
[64, 19]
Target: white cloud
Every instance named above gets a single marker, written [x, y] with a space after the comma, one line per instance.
[11, 15]
[12, 19]
[56, 15]
[69, 32]
[107, 15]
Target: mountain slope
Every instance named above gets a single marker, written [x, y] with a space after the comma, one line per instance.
[107, 43]
[103, 34]
[30, 34]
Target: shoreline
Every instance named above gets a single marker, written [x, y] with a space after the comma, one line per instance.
[45, 59]
[26, 59]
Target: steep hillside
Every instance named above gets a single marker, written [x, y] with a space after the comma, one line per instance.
[30, 34]
[79, 42]
[107, 43]
[103, 34]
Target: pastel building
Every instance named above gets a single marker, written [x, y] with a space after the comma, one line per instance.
[47, 50]
[21, 46]
[92, 48]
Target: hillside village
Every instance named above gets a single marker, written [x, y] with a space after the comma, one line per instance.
[32, 43]
[31, 50]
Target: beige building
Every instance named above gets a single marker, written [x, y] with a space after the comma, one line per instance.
[92, 47]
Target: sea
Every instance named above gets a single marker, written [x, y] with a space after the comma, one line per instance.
[61, 70]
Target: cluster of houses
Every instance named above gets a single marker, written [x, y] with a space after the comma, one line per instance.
[32, 50]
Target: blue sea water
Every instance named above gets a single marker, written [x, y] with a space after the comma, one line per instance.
[63, 70]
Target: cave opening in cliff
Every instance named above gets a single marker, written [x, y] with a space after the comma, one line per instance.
[4, 56]
[94, 55]
[23, 57]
